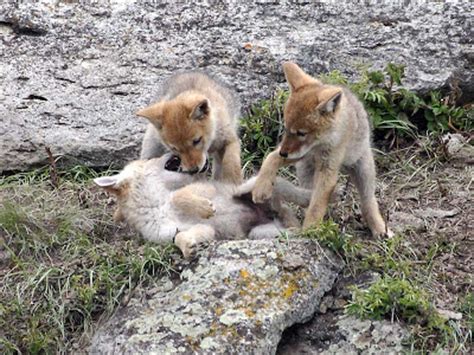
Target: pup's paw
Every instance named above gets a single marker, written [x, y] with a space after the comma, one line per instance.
[190, 242]
[262, 191]
[206, 209]
[383, 233]
[186, 243]
[389, 234]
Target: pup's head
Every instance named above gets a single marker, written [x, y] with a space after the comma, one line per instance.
[309, 112]
[186, 127]
[120, 185]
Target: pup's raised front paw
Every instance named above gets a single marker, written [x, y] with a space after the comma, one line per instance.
[262, 191]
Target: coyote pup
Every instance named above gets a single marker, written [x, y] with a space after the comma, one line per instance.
[167, 206]
[195, 116]
[326, 128]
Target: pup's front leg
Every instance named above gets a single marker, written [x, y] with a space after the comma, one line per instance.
[230, 169]
[189, 241]
[263, 188]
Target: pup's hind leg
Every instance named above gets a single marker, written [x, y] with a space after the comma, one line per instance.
[284, 212]
[194, 200]
[189, 241]
[286, 191]
[363, 175]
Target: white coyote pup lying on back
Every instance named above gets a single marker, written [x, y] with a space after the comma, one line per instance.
[168, 206]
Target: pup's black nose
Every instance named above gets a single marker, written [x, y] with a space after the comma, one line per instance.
[173, 164]
[284, 154]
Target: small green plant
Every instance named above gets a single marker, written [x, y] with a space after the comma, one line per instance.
[467, 309]
[327, 234]
[441, 116]
[391, 297]
[399, 299]
[396, 110]
[261, 129]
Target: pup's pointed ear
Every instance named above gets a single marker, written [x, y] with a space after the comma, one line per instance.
[109, 183]
[296, 77]
[329, 100]
[153, 112]
[201, 110]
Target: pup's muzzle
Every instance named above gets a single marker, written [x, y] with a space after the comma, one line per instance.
[174, 164]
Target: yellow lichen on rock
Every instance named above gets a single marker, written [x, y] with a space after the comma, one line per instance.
[244, 274]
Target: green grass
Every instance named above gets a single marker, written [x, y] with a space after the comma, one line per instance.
[64, 265]
[392, 297]
[260, 129]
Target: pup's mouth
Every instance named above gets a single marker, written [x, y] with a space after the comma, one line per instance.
[174, 164]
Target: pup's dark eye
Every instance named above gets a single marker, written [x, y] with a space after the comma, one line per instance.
[197, 141]
[300, 134]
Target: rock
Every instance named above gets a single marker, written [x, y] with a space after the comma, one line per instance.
[331, 331]
[237, 297]
[368, 337]
[457, 147]
[74, 74]
[447, 314]
[327, 302]
[31, 20]
[342, 334]
[402, 221]
[437, 213]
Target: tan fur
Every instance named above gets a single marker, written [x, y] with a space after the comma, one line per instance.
[326, 129]
[193, 106]
[194, 200]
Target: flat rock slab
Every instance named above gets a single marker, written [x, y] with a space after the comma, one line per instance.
[74, 73]
[238, 297]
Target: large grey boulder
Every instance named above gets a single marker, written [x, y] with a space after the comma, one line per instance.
[72, 75]
[238, 297]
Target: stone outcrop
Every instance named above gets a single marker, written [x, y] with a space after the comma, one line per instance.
[73, 74]
[237, 297]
